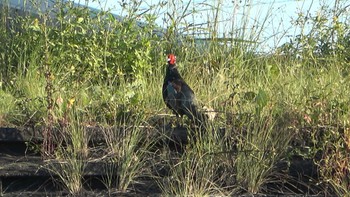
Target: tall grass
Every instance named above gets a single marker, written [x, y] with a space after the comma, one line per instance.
[198, 171]
[129, 152]
[260, 147]
[71, 155]
[110, 71]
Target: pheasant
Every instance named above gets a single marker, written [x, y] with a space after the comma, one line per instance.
[178, 96]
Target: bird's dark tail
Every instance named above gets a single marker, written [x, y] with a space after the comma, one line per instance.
[199, 118]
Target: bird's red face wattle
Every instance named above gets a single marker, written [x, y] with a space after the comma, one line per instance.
[172, 59]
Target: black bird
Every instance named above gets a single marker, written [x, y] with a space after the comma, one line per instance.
[178, 96]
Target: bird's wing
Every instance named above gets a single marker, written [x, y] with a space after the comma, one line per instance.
[176, 85]
[172, 94]
[186, 101]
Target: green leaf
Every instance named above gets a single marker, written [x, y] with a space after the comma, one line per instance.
[80, 19]
[261, 98]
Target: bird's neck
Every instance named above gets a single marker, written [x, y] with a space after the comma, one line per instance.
[172, 72]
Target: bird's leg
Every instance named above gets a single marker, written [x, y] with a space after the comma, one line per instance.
[178, 119]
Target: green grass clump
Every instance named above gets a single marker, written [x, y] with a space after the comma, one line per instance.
[261, 146]
[7, 105]
[129, 152]
[29, 98]
[71, 155]
[198, 171]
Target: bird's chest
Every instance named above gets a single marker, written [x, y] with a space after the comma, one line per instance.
[172, 90]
